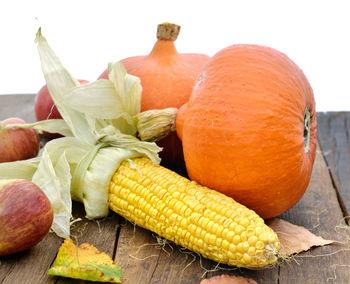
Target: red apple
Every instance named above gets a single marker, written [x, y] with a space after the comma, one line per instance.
[26, 215]
[45, 107]
[17, 143]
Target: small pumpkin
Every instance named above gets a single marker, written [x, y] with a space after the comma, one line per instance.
[249, 129]
[167, 79]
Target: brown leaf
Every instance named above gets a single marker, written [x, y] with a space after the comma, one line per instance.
[293, 238]
[228, 279]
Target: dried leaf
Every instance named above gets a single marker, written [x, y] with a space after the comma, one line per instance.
[228, 279]
[85, 262]
[293, 238]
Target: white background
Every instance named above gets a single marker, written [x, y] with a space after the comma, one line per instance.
[87, 35]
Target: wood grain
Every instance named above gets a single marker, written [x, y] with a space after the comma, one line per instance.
[137, 253]
[334, 137]
[319, 211]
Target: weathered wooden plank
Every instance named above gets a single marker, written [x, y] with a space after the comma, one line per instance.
[31, 266]
[137, 253]
[319, 211]
[178, 265]
[21, 106]
[333, 133]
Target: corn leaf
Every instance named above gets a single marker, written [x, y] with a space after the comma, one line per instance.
[21, 169]
[60, 83]
[54, 180]
[132, 91]
[116, 73]
[50, 125]
[92, 105]
[98, 120]
[153, 125]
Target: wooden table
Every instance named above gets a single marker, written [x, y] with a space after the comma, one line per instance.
[322, 210]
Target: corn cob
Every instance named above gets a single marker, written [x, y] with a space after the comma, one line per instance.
[193, 216]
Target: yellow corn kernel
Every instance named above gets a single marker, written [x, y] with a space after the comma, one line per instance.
[245, 246]
[259, 229]
[203, 222]
[252, 240]
[245, 222]
[225, 232]
[219, 242]
[240, 247]
[191, 215]
[236, 239]
[225, 244]
[232, 248]
[260, 245]
[239, 229]
[251, 250]
[184, 223]
[246, 258]
[244, 236]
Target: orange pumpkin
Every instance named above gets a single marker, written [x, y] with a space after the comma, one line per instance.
[249, 129]
[167, 79]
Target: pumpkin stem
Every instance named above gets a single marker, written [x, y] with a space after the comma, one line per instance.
[307, 130]
[168, 31]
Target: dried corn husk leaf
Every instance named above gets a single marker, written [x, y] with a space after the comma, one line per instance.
[98, 119]
[60, 83]
[58, 125]
[21, 169]
[54, 179]
[85, 262]
[293, 238]
[154, 125]
[228, 279]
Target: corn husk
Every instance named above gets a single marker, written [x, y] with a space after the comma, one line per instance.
[100, 132]
[153, 125]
